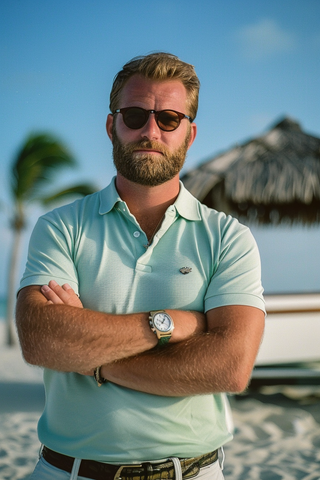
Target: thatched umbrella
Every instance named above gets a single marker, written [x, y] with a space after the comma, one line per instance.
[271, 179]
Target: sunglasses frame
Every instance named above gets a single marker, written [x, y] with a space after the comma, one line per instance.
[180, 115]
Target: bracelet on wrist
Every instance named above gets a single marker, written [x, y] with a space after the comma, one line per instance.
[97, 376]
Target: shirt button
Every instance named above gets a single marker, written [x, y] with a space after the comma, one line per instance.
[136, 234]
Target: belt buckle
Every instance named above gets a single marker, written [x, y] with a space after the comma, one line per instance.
[117, 475]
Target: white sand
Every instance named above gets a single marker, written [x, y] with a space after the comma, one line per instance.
[272, 443]
[21, 400]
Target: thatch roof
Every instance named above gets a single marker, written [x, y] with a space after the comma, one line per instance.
[270, 179]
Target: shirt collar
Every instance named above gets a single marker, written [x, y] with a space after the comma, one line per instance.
[186, 204]
[109, 197]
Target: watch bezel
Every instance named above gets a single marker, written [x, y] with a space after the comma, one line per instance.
[165, 314]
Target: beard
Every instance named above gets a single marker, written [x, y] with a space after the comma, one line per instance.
[148, 169]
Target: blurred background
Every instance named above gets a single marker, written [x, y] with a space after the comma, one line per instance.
[257, 62]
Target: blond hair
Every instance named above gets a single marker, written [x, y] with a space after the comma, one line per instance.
[158, 66]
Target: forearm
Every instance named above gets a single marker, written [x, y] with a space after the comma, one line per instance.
[218, 361]
[60, 336]
[66, 338]
[188, 368]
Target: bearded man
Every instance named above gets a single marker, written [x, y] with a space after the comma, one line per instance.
[143, 306]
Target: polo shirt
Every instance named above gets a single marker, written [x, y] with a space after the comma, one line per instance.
[96, 245]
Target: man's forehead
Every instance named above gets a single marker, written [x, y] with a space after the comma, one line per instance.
[140, 88]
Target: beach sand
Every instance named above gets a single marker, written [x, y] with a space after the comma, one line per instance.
[277, 432]
[274, 439]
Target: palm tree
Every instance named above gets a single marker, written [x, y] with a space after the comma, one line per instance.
[39, 158]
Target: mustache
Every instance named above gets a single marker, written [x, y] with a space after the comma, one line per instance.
[148, 144]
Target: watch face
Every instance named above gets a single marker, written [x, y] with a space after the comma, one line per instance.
[162, 322]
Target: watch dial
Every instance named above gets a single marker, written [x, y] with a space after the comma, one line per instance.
[162, 322]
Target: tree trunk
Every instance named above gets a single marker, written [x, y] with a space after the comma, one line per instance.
[11, 338]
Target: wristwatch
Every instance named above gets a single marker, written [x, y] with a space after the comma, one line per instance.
[162, 325]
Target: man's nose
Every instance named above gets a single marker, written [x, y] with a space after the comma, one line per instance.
[150, 129]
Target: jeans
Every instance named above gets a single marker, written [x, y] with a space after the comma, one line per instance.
[45, 471]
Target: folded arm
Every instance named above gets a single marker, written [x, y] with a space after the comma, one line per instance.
[56, 332]
[208, 354]
[220, 360]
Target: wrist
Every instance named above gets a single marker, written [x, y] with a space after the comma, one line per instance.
[187, 324]
[161, 325]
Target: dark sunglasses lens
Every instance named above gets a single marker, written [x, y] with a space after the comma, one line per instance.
[168, 120]
[135, 117]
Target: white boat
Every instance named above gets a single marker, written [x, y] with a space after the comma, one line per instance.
[292, 331]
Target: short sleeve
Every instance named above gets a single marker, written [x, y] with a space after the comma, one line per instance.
[50, 255]
[237, 276]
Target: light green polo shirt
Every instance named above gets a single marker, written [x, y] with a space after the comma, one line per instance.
[97, 246]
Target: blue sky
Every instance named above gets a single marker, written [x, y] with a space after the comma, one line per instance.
[256, 60]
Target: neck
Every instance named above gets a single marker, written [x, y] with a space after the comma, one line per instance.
[148, 204]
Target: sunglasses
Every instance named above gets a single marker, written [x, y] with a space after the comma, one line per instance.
[136, 117]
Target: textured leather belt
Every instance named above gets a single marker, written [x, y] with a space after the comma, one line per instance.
[145, 471]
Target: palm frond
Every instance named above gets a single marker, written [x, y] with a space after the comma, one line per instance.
[39, 158]
[80, 190]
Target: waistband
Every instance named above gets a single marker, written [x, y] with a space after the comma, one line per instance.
[144, 471]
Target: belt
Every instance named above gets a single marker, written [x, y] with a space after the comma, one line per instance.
[144, 471]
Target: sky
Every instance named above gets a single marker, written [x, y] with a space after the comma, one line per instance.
[257, 61]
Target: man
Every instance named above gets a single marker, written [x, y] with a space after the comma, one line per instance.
[170, 311]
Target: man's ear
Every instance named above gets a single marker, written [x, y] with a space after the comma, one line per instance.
[193, 134]
[109, 124]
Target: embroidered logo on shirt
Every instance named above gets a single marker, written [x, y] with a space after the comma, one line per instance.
[185, 270]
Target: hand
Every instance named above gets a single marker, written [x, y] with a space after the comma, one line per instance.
[65, 295]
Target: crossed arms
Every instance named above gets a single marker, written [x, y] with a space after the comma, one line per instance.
[206, 354]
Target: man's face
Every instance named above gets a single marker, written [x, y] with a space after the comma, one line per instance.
[150, 156]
